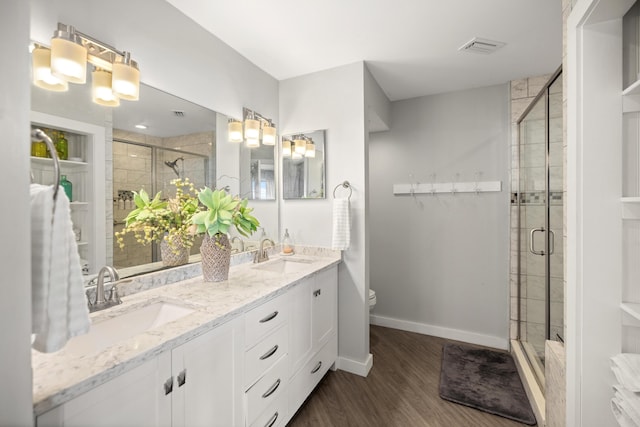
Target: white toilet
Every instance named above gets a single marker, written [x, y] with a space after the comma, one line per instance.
[372, 299]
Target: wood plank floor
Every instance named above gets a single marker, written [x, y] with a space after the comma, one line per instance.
[401, 390]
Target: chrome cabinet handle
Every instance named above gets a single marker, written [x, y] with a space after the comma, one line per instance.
[168, 386]
[269, 317]
[317, 292]
[531, 248]
[552, 245]
[272, 420]
[272, 389]
[269, 353]
[317, 368]
[182, 378]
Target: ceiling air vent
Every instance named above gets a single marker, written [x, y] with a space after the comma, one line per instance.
[478, 45]
[178, 113]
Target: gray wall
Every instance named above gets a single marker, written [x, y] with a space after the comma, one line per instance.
[440, 264]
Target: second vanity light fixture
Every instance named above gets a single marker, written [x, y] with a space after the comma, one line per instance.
[116, 76]
[254, 128]
[298, 147]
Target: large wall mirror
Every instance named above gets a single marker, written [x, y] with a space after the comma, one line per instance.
[303, 165]
[153, 141]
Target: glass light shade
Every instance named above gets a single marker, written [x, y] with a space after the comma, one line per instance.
[235, 131]
[101, 92]
[300, 146]
[296, 156]
[311, 150]
[253, 142]
[269, 135]
[286, 148]
[126, 79]
[251, 129]
[69, 59]
[41, 68]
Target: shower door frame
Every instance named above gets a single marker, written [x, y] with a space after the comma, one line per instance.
[548, 233]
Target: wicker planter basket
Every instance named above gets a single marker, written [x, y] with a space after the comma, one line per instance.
[216, 258]
[172, 257]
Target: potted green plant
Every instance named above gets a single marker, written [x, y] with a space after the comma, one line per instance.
[164, 221]
[221, 211]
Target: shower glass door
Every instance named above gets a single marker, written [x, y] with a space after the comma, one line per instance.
[540, 299]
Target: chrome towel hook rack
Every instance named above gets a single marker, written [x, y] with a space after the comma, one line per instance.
[40, 135]
[344, 184]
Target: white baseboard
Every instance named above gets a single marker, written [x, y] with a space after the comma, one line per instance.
[354, 366]
[439, 331]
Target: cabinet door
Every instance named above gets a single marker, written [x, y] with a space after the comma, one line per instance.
[300, 337]
[207, 372]
[135, 398]
[324, 309]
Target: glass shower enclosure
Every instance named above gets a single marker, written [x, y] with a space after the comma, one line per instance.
[540, 224]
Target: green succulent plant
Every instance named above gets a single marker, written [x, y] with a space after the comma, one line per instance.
[222, 211]
[156, 219]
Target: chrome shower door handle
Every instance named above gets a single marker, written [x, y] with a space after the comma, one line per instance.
[531, 234]
[552, 244]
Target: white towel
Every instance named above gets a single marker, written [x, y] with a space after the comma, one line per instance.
[341, 224]
[629, 402]
[620, 413]
[626, 367]
[59, 308]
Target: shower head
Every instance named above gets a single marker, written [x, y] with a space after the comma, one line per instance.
[173, 166]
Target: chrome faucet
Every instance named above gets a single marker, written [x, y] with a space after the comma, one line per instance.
[100, 301]
[241, 242]
[262, 254]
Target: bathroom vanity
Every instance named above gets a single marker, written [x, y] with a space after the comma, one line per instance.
[244, 352]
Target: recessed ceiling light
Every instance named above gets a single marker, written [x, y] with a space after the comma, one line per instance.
[141, 126]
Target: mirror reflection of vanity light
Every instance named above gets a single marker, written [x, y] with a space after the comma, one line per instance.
[303, 168]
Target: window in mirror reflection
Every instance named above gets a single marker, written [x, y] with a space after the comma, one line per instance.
[303, 165]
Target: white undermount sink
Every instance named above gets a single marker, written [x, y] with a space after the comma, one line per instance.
[285, 265]
[137, 319]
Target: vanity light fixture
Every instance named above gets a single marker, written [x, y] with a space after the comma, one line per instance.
[269, 134]
[311, 149]
[68, 55]
[286, 148]
[296, 156]
[300, 144]
[70, 52]
[234, 128]
[101, 91]
[254, 129]
[41, 68]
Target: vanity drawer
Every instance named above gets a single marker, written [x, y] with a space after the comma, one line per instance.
[265, 318]
[275, 415]
[267, 390]
[265, 354]
[311, 373]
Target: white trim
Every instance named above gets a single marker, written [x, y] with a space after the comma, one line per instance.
[531, 386]
[440, 331]
[354, 366]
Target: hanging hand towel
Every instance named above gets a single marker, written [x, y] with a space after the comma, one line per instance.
[341, 224]
[59, 309]
[626, 367]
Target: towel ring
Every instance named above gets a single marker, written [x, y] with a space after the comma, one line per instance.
[344, 184]
[40, 135]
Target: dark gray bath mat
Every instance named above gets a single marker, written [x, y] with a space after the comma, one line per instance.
[486, 380]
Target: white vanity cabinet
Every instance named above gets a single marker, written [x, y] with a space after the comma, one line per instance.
[267, 362]
[195, 384]
[314, 338]
[87, 175]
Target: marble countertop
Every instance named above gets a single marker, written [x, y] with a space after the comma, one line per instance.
[61, 376]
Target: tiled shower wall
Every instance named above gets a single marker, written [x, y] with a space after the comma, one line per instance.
[132, 171]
